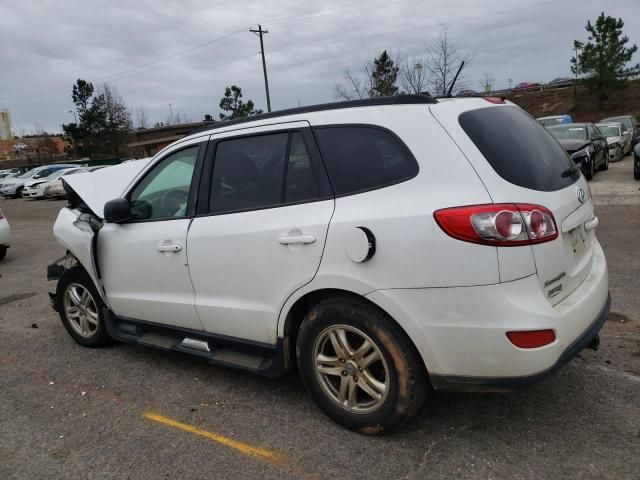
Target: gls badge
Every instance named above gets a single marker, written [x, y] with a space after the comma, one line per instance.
[582, 195]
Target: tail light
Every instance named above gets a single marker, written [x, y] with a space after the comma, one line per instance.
[532, 338]
[499, 224]
[497, 100]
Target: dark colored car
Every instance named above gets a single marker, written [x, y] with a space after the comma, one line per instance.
[585, 144]
[628, 121]
[636, 162]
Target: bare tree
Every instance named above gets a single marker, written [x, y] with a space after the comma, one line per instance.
[355, 88]
[413, 76]
[486, 82]
[443, 59]
[141, 118]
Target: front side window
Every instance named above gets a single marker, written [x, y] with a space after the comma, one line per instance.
[360, 158]
[164, 191]
[262, 171]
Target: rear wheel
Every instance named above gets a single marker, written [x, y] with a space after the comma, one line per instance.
[80, 308]
[360, 369]
[19, 192]
[3, 251]
[605, 163]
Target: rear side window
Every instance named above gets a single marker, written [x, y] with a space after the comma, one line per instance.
[363, 158]
[264, 171]
[519, 149]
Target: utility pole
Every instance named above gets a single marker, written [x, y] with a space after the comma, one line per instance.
[260, 32]
[171, 113]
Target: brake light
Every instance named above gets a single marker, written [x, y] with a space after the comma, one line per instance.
[498, 100]
[532, 339]
[499, 224]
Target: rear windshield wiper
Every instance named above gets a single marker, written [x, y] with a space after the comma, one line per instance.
[570, 171]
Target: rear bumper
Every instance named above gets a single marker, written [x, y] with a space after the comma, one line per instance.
[507, 384]
[461, 332]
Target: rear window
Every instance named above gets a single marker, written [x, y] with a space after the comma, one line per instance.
[519, 149]
[364, 158]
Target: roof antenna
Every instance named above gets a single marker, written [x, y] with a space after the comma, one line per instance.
[454, 79]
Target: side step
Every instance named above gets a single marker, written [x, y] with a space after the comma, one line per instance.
[262, 359]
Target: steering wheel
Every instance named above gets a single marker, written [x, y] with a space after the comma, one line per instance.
[173, 201]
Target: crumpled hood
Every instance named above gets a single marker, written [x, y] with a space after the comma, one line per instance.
[573, 145]
[98, 187]
[612, 140]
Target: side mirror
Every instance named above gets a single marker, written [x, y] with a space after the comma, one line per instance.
[117, 210]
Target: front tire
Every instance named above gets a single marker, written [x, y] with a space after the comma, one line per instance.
[3, 251]
[80, 308]
[591, 170]
[359, 367]
[605, 163]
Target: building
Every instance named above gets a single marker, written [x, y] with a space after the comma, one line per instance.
[5, 125]
[149, 141]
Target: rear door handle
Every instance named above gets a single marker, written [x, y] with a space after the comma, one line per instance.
[174, 247]
[294, 239]
[591, 224]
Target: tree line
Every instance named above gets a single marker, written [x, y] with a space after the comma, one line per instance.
[103, 120]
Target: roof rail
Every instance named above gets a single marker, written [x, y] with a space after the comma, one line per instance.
[365, 102]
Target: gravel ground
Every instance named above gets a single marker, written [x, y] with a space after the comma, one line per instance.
[71, 412]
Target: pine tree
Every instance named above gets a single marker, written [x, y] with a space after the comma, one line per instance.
[383, 77]
[605, 56]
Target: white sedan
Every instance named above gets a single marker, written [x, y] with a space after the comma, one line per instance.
[5, 235]
[36, 188]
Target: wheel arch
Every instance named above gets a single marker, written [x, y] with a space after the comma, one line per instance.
[301, 306]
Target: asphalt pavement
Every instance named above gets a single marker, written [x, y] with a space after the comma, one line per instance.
[131, 412]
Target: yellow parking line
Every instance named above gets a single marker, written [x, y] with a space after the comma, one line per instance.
[241, 447]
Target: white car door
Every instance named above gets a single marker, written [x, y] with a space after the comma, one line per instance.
[143, 262]
[260, 233]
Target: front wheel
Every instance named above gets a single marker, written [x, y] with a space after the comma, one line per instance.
[80, 308]
[590, 172]
[605, 163]
[3, 251]
[359, 367]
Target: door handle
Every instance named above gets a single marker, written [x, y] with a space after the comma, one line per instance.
[174, 247]
[591, 224]
[294, 239]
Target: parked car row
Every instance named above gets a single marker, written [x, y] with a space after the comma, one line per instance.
[40, 182]
[592, 146]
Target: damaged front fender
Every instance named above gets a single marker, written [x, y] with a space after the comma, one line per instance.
[76, 231]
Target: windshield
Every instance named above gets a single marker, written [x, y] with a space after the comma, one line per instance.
[29, 174]
[568, 132]
[609, 130]
[625, 121]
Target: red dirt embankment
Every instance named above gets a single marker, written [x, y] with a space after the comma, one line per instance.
[584, 107]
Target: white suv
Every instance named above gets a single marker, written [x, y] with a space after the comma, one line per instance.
[383, 247]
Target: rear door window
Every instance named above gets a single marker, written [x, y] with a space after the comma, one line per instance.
[361, 158]
[519, 150]
[264, 171]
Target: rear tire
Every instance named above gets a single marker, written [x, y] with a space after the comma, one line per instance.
[3, 251]
[80, 308]
[605, 164]
[359, 367]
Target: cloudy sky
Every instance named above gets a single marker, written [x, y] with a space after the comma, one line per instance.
[184, 53]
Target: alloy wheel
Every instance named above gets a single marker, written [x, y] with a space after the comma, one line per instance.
[351, 369]
[81, 310]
